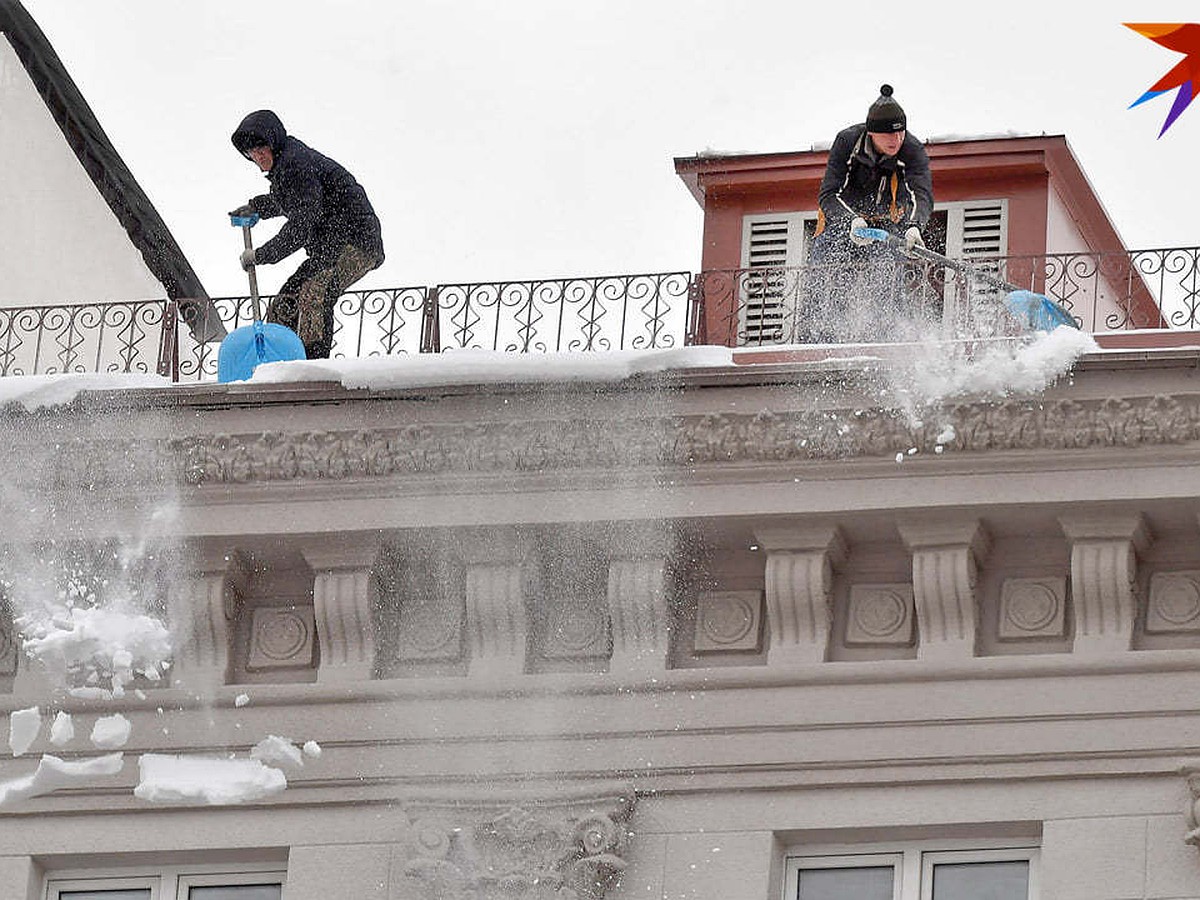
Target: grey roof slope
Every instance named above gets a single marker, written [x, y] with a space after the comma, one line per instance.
[108, 171]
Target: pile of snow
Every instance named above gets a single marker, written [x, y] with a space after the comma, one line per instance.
[100, 648]
[168, 778]
[53, 774]
[487, 366]
[36, 391]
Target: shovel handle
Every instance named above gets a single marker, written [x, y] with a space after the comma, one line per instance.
[254, 302]
[897, 243]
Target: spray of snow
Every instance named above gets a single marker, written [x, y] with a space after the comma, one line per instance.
[938, 372]
[999, 369]
[169, 778]
[53, 774]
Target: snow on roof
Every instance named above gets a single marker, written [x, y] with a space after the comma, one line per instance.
[36, 391]
[487, 366]
[711, 153]
[1015, 366]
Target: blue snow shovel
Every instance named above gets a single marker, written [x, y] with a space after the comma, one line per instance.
[245, 348]
[1036, 312]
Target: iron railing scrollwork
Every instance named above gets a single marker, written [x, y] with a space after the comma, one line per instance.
[737, 307]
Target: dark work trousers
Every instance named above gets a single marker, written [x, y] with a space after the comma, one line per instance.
[307, 300]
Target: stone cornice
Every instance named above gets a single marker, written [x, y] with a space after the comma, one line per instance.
[766, 437]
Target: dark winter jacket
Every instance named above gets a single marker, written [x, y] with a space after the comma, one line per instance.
[889, 192]
[326, 208]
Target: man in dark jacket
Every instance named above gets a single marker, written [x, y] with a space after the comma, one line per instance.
[328, 214]
[877, 175]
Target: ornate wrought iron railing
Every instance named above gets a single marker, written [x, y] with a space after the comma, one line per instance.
[614, 312]
[739, 307]
[888, 299]
[90, 337]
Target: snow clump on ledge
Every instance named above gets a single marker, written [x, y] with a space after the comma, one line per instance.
[168, 778]
[53, 773]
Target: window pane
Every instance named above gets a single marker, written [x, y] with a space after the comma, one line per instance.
[129, 894]
[237, 892]
[981, 881]
[873, 883]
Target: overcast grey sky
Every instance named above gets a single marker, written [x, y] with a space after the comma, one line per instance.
[535, 138]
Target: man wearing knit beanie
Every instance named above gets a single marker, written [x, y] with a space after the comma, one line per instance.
[877, 175]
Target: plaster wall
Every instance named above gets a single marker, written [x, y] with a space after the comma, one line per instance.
[62, 243]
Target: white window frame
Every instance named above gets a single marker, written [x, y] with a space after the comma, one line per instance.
[55, 887]
[840, 861]
[933, 858]
[164, 882]
[912, 861]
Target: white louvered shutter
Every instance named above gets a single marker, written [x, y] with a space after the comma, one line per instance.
[773, 249]
[977, 230]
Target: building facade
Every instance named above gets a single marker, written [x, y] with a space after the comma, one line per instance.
[738, 629]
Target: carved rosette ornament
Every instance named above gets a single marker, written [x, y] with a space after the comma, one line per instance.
[529, 852]
[1192, 774]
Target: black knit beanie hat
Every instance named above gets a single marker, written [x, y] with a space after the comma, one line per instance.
[885, 114]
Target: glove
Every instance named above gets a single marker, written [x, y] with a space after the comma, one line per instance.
[912, 238]
[856, 223]
[247, 259]
[242, 211]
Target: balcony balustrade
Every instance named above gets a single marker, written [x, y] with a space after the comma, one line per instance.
[1145, 289]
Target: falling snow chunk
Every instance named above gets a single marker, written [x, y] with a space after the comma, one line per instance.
[241, 700]
[277, 751]
[112, 731]
[23, 728]
[62, 729]
[312, 749]
[106, 644]
[53, 773]
[166, 778]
